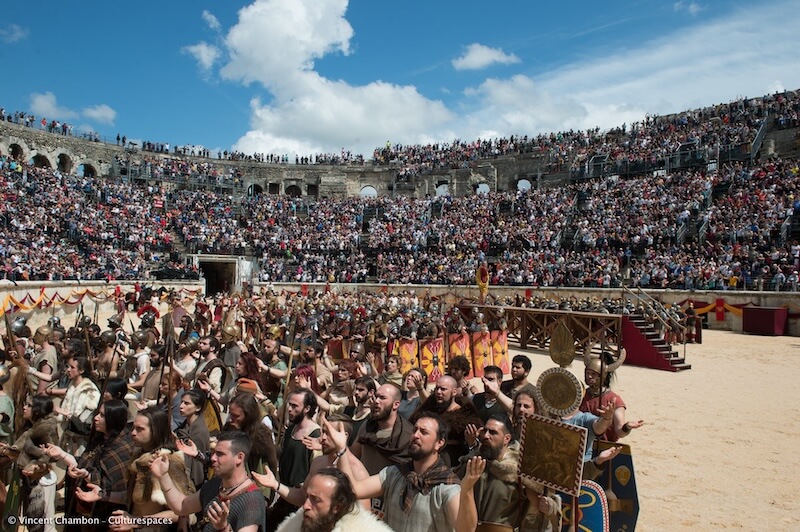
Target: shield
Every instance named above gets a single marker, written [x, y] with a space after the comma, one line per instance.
[408, 352]
[212, 417]
[619, 482]
[500, 351]
[552, 453]
[432, 357]
[460, 346]
[481, 352]
[335, 349]
[592, 511]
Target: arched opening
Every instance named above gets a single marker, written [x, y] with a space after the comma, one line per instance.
[255, 190]
[86, 170]
[64, 163]
[443, 189]
[482, 188]
[40, 161]
[294, 191]
[368, 192]
[17, 153]
[524, 184]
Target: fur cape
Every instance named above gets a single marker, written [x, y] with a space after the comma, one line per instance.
[358, 519]
[147, 488]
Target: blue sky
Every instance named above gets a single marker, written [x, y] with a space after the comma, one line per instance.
[315, 76]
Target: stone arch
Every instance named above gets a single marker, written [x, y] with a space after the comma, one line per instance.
[442, 188]
[41, 161]
[294, 191]
[524, 184]
[64, 163]
[87, 170]
[254, 190]
[368, 191]
[16, 152]
[482, 188]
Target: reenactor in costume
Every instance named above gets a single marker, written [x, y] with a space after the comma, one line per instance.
[378, 335]
[478, 325]
[148, 316]
[499, 322]
[45, 358]
[455, 323]
[122, 343]
[187, 329]
[202, 316]
[230, 351]
[428, 329]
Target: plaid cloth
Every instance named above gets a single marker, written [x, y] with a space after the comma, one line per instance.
[423, 483]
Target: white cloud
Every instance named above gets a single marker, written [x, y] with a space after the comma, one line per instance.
[211, 20]
[693, 8]
[13, 33]
[275, 44]
[100, 113]
[45, 105]
[716, 62]
[478, 56]
[205, 54]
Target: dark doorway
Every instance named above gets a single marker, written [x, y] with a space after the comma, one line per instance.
[40, 161]
[293, 191]
[255, 190]
[220, 276]
[64, 164]
[16, 152]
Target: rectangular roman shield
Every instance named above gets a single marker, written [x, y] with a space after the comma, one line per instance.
[432, 357]
[460, 346]
[335, 349]
[500, 355]
[409, 354]
[481, 352]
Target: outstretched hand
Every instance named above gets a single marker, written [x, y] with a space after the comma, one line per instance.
[475, 467]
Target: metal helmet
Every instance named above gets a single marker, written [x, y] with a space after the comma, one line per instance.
[140, 338]
[54, 322]
[85, 321]
[42, 334]
[274, 332]
[5, 374]
[115, 321]
[357, 348]
[18, 326]
[148, 320]
[191, 345]
[230, 333]
[108, 337]
[596, 365]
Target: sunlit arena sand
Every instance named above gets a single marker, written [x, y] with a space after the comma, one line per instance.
[719, 449]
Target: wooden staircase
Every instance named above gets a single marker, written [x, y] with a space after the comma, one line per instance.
[645, 347]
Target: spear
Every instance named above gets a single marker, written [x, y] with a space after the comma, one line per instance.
[286, 387]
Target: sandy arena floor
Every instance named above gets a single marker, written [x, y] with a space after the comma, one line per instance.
[716, 451]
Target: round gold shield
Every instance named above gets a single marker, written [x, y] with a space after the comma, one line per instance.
[559, 391]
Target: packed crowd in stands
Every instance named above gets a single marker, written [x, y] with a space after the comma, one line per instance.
[594, 233]
[58, 227]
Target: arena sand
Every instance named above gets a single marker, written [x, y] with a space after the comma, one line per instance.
[720, 447]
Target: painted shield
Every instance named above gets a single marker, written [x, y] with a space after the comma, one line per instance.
[432, 356]
[212, 417]
[481, 352]
[408, 351]
[460, 346]
[592, 511]
[619, 482]
[335, 350]
[500, 355]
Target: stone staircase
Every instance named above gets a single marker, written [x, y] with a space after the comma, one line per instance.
[645, 347]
